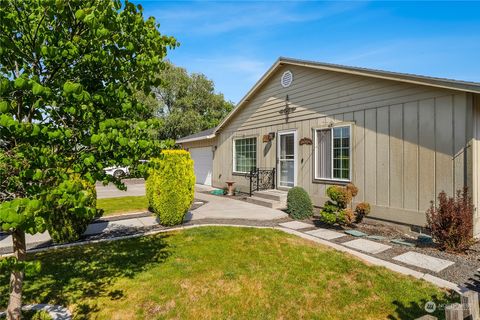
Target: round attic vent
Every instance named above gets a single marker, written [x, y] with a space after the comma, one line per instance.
[287, 79]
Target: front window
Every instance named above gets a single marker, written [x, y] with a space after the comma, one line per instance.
[244, 155]
[333, 153]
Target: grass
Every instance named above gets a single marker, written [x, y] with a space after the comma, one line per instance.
[112, 206]
[219, 273]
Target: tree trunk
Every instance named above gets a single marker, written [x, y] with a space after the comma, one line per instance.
[14, 310]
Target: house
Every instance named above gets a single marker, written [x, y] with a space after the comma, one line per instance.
[400, 138]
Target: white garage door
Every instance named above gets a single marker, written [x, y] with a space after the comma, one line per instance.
[202, 158]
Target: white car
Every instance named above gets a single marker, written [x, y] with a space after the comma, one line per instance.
[117, 172]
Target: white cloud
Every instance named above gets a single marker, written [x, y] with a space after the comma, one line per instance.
[211, 18]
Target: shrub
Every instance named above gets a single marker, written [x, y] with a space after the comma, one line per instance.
[170, 186]
[352, 189]
[340, 195]
[348, 216]
[335, 210]
[73, 206]
[299, 204]
[361, 210]
[451, 222]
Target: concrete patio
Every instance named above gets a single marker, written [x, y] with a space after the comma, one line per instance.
[218, 207]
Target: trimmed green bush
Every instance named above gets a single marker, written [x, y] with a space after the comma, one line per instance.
[170, 186]
[73, 206]
[299, 204]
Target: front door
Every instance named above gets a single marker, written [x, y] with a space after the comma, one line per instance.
[287, 159]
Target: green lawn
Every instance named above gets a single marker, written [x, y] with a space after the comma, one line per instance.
[220, 273]
[112, 206]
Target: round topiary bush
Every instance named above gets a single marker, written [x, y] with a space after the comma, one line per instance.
[73, 206]
[170, 186]
[299, 204]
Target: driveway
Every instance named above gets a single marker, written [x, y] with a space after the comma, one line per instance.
[217, 207]
[135, 187]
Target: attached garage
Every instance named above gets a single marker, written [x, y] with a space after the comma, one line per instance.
[202, 158]
[201, 146]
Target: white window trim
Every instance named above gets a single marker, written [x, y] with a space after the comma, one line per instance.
[234, 158]
[315, 151]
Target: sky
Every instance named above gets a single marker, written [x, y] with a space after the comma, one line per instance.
[234, 43]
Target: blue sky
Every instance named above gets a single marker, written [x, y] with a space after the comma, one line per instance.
[234, 43]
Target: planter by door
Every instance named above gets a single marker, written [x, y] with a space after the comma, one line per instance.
[287, 159]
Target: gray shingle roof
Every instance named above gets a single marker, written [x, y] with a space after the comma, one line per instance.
[197, 136]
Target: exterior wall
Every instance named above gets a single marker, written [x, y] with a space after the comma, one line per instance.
[475, 100]
[409, 141]
[199, 144]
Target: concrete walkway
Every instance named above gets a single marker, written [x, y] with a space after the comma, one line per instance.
[226, 208]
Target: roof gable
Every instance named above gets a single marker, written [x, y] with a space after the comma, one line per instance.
[450, 84]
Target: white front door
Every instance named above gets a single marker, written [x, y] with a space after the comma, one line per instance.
[287, 159]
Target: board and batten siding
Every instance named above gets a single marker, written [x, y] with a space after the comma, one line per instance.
[409, 141]
[475, 100]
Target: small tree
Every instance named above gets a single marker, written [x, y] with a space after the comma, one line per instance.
[69, 74]
[451, 221]
[170, 186]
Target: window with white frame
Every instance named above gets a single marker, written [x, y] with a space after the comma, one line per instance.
[333, 153]
[244, 154]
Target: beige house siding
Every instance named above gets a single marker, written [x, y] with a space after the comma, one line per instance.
[408, 140]
[475, 100]
[199, 143]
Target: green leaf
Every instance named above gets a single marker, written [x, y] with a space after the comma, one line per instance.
[4, 84]
[20, 83]
[71, 87]
[95, 139]
[80, 14]
[38, 89]
[4, 107]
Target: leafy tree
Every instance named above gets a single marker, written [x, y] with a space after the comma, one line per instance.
[187, 103]
[69, 74]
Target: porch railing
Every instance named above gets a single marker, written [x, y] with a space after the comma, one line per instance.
[261, 179]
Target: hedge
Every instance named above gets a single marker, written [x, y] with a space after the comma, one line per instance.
[170, 186]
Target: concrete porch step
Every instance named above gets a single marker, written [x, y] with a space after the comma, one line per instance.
[276, 195]
[269, 203]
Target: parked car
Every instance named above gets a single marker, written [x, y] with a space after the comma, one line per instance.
[122, 172]
[118, 172]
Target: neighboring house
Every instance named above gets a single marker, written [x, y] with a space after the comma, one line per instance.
[400, 138]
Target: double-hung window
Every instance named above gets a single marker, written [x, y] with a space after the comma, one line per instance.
[333, 153]
[244, 154]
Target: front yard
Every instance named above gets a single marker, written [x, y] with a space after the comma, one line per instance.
[122, 205]
[221, 272]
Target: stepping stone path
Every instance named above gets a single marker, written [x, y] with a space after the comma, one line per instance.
[374, 237]
[325, 234]
[423, 261]
[296, 225]
[402, 242]
[356, 233]
[367, 246]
